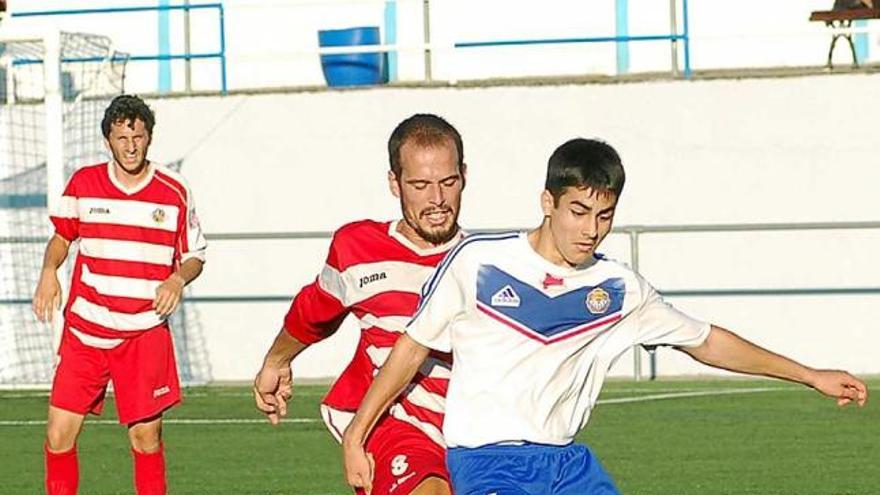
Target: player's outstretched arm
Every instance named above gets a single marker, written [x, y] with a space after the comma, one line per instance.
[47, 296]
[398, 370]
[727, 350]
[273, 385]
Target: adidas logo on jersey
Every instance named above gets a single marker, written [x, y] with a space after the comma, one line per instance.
[97, 210]
[506, 297]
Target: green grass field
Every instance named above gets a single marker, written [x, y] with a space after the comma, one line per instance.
[666, 437]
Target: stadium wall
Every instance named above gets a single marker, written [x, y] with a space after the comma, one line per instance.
[700, 152]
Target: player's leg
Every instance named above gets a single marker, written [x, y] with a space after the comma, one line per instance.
[62, 466]
[77, 389]
[149, 457]
[62, 429]
[432, 486]
[407, 461]
[145, 381]
[579, 471]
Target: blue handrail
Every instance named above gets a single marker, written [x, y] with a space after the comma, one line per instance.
[684, 36]
[221, 55]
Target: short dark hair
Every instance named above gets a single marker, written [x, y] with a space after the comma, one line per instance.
[126, 108]
[585, 163]
[425, 129]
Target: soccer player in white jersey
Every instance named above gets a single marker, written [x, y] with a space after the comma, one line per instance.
[139, 244]
[534, 320]
[374, 272]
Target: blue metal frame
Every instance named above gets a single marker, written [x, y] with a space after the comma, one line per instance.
[154, 8]
[684, 36]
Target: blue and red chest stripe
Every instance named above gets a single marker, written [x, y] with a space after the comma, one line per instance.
[529, 311]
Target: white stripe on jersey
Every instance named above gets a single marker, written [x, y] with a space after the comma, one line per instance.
[378, 355]
[363, 281]
[421, 397]
[98, 342]
[110, 285]
[129, 212]
[112, 249]
[433, 433]
[66, 208]
[124, 322]
[336, 421]
[395, 324]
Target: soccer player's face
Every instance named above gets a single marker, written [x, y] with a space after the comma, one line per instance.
[128, 142]
[429, 188]
[579, 221]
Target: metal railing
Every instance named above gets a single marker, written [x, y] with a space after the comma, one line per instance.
[633, 232]
[187, 55]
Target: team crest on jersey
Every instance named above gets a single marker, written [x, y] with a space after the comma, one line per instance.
[506, 297]
[598, 301]
[158, 215]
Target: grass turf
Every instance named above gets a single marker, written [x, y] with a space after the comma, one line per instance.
[786, 440]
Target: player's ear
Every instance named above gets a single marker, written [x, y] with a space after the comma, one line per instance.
[463, 172]
[393, 184]
[547, 203]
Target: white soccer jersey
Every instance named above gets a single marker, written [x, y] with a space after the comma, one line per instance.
[533, 341]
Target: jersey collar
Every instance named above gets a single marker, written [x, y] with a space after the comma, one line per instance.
[131, 190]
[393, 233]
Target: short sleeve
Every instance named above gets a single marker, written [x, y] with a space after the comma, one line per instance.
[442, 301]
[662, 324]
[65, 212]
[191, 238]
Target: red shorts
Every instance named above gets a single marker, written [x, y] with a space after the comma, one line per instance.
[142, 368]
[404, 456]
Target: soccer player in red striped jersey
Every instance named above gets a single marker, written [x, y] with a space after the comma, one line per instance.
[374, 272]
[139, 244]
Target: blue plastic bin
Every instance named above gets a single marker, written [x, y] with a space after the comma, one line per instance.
[352, 69]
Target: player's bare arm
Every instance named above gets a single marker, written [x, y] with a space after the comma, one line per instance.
[47, 296]
[725, 349]
[273, 385]
[398, 370]
[170, 292]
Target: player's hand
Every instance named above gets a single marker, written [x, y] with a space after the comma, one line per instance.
[273, 387]
[47, 297]
[168, 295]
[841, 386]
[359, 466]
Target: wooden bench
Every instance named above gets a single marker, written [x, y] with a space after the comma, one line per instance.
[842, 19]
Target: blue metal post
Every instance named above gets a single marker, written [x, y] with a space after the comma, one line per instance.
[861, 42]
[687, 38]
[222, 51]
[622, 31]
[391, 37]
[164, 36]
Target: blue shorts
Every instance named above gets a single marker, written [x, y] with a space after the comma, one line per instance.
[527, 470]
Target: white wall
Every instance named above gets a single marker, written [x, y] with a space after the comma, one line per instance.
[724, 151]
[273, 43]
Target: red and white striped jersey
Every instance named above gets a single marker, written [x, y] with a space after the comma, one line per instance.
[376, 274]
[130, 241]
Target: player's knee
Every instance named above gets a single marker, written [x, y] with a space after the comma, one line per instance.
[145, 438]
[432, 486]
[60, 437]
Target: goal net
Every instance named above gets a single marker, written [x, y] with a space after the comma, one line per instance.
[54, 88]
